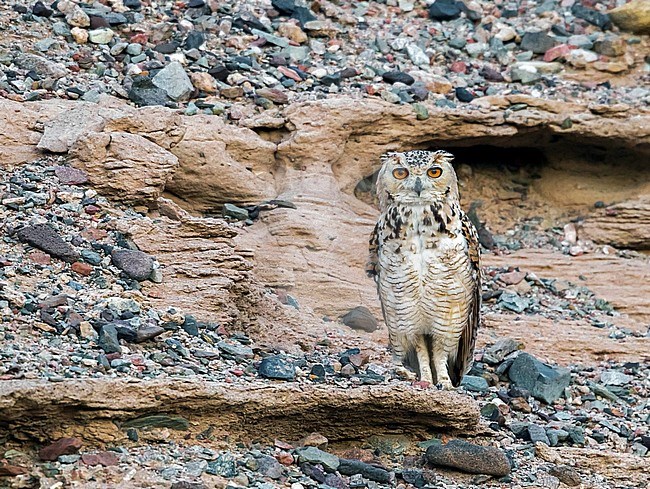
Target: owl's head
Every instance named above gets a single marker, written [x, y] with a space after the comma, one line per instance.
[416, 177]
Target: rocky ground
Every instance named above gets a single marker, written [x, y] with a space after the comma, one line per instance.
[98, 283]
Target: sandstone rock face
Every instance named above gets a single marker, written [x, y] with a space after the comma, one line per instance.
[222, 163]
[626, 224]
[126, 167]
[95, 409]
[64, 130]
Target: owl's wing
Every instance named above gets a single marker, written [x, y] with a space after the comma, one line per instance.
[372, 269]
[465, 355]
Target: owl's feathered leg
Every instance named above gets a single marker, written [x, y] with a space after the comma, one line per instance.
[424, 361]
[439, 359]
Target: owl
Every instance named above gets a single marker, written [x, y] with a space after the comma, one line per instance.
[425, 258]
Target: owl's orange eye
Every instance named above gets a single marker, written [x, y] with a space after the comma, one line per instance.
[434, 172]
[400, 173]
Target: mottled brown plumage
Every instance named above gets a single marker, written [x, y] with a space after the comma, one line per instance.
[425, 257]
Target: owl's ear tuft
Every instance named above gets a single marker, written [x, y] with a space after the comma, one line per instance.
[443, 155]
[388, 156]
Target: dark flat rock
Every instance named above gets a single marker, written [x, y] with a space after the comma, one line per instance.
[135, 264]
[467, 457]
[45, 238]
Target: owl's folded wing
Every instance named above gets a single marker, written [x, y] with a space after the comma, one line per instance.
[465, 355]
[372, 269]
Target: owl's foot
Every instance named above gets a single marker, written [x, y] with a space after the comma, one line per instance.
[445, 385]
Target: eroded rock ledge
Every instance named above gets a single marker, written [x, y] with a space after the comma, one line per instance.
[102, 410]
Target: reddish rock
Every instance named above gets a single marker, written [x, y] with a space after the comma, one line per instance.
[512, 278]
[92, 209]
[285, 458]
[7, 470]
[139, 38]
[289, 73]
[63, 446]
[459, 67]
[40, 258]
[93, 234]
[559, 51]
[106, 459]
[70, 176]
[82, 268]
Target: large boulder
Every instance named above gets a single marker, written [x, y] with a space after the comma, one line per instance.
[633, 16]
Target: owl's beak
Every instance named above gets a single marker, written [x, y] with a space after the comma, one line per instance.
[418, 186]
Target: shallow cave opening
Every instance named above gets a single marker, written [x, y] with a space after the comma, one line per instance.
[538, 177]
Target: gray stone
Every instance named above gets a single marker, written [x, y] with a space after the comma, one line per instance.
[537, 434]
[41, 65]
[512, 301]
[276, 367]
[101, 36]
[468, 457]
[544, 382]
[45, 238]
[234, 212]
[612, 377]
[502, 348]
[174, 81]
[537, 42]
[474, 383]
[108, 339]
[91, 257]
[276, 40]
[235, 350]
[269, 467]
[143, 92]
[352, 467]
[417, 55]
[224, 465]
[315, 456]
[135, 264]
[360, 318]
[68, 175]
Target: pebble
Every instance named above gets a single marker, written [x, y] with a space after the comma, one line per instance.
[108, 339]
[361, 319]
[173, 80]
[352, 467]
[277, 367]
[315, 456]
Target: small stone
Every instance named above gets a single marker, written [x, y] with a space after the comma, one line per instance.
[421, 111]
[81, 268]
[204, 82]
[136, 264]
[234, 212]
[41, 66]
[108, 339]
[537, 42]
[612, 377]
[464, 95]
[315, 440]
[293, 32]
[232, 92]
[468, 457]
[360, 318]
[101, 36]
[235, 350]
[45, 238]
[537, 434]
[351, 467]
[107, 459]
[270, 467]
[40, 10]
[417, 55]
[77, 17]
[276, 367]
[315, 456]
[544, 382]
[398, 77]
[273, 94]
[592, 16]
[224, 465]
[143, 92]
[68, 175]
[444, 10]
[63, 446]
[174, 81]
[567, 475]
[474, 383]
[610, 45]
